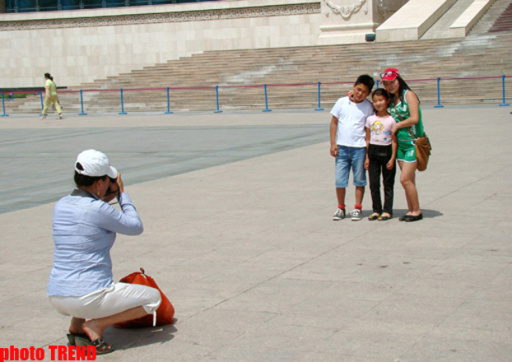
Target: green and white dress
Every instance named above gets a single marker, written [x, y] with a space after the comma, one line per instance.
[406, 148]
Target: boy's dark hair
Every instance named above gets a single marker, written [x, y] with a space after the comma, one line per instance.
[366, 80]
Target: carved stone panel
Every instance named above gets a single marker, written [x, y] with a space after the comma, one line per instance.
[312, 7]
[346, 9]
[348, 21]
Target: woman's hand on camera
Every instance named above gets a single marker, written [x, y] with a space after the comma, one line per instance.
[112, 192]
[115, 188]
[120, 183]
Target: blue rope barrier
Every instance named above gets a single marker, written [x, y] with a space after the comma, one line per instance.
[82, 104]
[3, 106]
[217, 96]
[122, 103]
[168, 103]
[319, 108]
[439, 105]
[265, 86]
[504, 104]
[266, 100]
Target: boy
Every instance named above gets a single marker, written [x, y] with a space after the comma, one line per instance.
[348, 143]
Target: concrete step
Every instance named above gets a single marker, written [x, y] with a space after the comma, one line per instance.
[479, 55]
[504, 22]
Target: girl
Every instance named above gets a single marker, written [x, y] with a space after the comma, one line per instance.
[381, 155]
[405, 109]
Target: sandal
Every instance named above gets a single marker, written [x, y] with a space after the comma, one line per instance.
[385, 216]
[102, 347]
[374, 216]
[72, 338]
[410, 218]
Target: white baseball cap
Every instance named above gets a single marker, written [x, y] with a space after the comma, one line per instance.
[95, 164]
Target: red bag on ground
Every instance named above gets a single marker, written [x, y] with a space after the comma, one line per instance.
[164, 313]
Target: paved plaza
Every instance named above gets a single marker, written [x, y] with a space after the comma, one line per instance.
[238, 233]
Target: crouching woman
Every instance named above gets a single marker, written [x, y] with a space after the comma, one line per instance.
[84, 230]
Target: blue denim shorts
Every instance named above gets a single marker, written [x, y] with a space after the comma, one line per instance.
[350, 157]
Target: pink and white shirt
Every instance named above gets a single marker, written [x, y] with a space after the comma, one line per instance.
[380, 129]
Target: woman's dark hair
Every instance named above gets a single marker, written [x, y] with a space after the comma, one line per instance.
[402, 86]
[48, 75]
[84, 180]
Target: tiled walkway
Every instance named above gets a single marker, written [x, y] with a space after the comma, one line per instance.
[238, 233]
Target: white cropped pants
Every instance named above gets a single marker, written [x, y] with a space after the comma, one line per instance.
[109, 301]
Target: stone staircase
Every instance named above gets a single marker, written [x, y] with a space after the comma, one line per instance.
[441, 28]
[242, 73]
[504, 22]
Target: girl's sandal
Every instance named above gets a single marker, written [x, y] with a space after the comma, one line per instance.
[385, 216]
[102, 347]
[374, 216]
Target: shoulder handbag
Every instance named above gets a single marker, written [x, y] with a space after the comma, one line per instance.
[423, 147]
[164, 313]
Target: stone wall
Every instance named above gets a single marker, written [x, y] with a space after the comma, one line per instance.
[80, 46]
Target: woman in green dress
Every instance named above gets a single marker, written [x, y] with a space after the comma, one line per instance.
[405, 109]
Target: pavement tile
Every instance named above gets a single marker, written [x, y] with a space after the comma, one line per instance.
[459, 349]
[238, 233]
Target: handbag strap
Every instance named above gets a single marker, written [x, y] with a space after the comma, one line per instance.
[408, 128]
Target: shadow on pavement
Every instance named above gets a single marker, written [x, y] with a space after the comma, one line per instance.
[137, 337]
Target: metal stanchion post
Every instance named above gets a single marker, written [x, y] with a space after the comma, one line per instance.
[266, 100]
[319, 108]
[504, 104]
[439, 105]
[217, 96]
[42, 103]
[122, 103]
[3, 106]
[168, 103]
[82, 104]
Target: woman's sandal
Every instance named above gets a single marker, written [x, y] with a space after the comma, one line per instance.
[411, 218]
[72, 338]
[102, 347]
[385, 216]
[374, 216]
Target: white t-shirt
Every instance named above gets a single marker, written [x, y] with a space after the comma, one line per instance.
[351, 121]
[380, 129]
